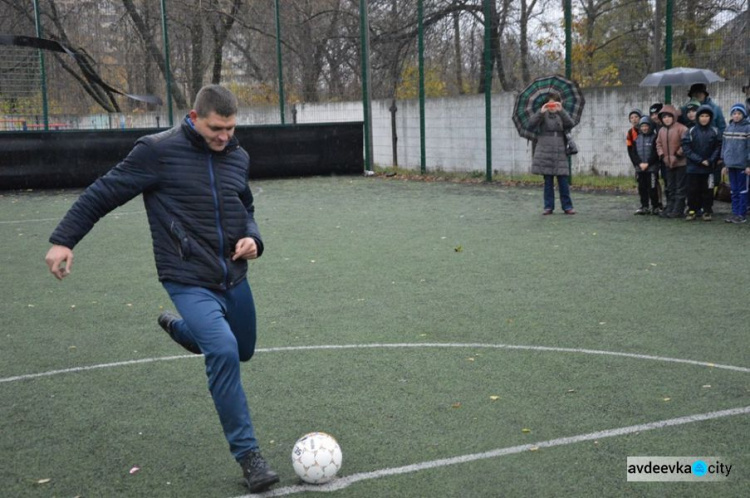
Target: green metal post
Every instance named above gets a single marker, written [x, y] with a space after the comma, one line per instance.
[167, 68]
[487, 90]
[364, 29]
[45, 104]
[279, 65]
[420, 44]
[668, 48]
[568, 8]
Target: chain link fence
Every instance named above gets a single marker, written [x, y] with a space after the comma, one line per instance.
[301, 62]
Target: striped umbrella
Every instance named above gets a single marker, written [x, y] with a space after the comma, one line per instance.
[531, 99]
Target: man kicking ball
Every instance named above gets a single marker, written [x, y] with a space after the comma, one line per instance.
[193, 178]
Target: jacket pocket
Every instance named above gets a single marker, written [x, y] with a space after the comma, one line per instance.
[182, 240]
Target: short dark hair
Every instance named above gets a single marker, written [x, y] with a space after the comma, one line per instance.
[215, 98]
[554, 96]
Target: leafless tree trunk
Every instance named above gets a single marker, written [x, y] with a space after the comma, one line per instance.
[657, 57]
[154, 52]
[457, 52]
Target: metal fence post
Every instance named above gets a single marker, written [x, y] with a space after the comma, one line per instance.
[279, 64]
[668, 48]
[364, 29]
[167, 70]
[45, 105]
[420, 45]
[487, 90]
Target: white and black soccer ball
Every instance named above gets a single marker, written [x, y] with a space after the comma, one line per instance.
[316, 457]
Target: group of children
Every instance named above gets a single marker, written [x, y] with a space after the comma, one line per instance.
[688, 148]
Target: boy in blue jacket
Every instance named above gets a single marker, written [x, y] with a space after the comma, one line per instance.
[735, 152]
[702, 146]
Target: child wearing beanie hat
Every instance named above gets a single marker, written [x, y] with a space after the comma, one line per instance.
[735, 151]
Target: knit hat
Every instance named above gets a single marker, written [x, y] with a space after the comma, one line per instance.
[705, 109]
[655, 108]
[635, 111]
[645, 120]
[738, 107]
[697, 87]
[693, 104]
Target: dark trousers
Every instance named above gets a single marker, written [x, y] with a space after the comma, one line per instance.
[648, 188]
[739, 181]
[665, 178]
[222, 324]
[549, 192]
[676, 184]
[700, 192]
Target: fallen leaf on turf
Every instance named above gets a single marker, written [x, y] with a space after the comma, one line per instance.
[494, 398]
[134, 470]
[470, 359]
[667, 399]
[525, 431]
[43, 481]
[653, 264]
[707, 386]
[458, 248]
[571, 390]
[534, 448]
[456, 405]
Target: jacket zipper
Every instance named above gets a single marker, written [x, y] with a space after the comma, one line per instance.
[215, 193]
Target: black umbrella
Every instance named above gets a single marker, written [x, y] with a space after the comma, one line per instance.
[681, 76]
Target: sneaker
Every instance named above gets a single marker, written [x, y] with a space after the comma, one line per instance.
[570, 211]
[739, 219]
[656, 211]
[707, 216]
[730, 219]
[642, 211]
[166, 321]
[546, 212]
[258, 474]
[690, 216]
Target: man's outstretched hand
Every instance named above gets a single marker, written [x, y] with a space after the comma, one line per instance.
[59, 259]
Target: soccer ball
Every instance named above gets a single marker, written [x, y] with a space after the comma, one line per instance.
[316, 457]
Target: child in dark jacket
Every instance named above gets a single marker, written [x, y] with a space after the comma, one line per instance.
[735, 152]
[702, 146]
[634, 117]
[647, 167]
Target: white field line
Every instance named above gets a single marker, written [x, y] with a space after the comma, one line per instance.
[347, 481]
[394, 346]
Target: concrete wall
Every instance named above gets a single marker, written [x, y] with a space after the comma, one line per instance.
[455, 129]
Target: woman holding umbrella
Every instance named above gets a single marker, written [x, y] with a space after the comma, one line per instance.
[551, 122]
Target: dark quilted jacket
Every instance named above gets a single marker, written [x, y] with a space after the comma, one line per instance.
[701, 143]
[198, 204]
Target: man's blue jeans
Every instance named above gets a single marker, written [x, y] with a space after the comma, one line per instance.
[549, 192]
[222, 324]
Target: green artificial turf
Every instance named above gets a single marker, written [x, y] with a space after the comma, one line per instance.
[448, 270]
